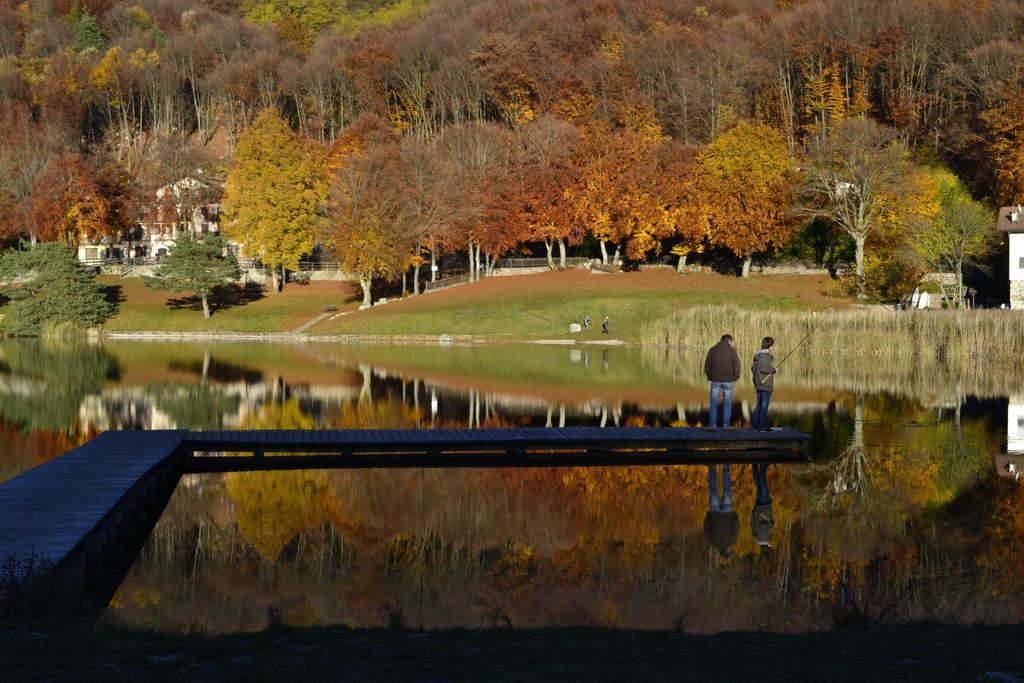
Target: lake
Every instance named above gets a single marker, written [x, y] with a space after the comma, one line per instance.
[908, 509]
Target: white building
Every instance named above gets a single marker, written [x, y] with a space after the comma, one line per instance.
[1011, 221]
[179, 206]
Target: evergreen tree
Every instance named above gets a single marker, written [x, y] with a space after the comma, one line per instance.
[48, 288]
[87, 34]
[196, 266]
[274, 194]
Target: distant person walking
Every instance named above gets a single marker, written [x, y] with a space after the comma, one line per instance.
[604, 325]
[722, 368]
[763, 371]
[721, 523]
[586, 322]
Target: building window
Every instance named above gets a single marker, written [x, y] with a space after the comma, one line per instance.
[1020, 263]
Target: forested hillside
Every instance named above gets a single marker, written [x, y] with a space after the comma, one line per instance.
[417, 129]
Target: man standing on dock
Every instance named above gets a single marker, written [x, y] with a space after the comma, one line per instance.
[722, 367]
[763, 371]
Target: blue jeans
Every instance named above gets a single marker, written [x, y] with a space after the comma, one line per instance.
[763, 495]
[725, 389]
[760, 417]
[716, 504]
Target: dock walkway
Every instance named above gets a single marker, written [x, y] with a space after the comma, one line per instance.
[73, 506]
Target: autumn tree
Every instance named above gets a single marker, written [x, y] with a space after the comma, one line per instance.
[742, 191]
[614, 192]
[849, 175]
[26, 149]
[676, 163]
[178, 170]
[274, 195]
[198, 266]
[1004, 148]
[544, 170]
[433, 201]
[66, 203]
[118, 82]
[480, 152]
[958, 234]
[368, 226]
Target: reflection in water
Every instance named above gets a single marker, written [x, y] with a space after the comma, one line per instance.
[43, 385]
[762, 517]
[899, 514]
[721, 523]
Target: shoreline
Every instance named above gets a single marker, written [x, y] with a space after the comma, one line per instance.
[302, 338]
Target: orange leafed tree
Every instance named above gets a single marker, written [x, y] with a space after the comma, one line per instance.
[615, 193]
[480, 153]
[1005, 148]
[743, 189]
[544, 169]
[675, 169]
[66, 204]
[367, 227]
[433, 199]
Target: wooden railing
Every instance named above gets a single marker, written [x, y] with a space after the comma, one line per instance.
[445, 283]
[532, 262]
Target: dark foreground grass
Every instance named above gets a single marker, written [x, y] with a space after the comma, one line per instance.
[908, 652]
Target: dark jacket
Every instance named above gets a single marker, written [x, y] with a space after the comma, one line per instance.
[722, 363]
[763, 371]
[721, 529]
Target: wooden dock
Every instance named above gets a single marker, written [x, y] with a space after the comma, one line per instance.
[88, 512]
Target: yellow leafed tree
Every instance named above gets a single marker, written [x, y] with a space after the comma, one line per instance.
[274, 195]
[743, 189]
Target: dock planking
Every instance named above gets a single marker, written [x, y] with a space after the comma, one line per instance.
[71, 510]
[49, 511]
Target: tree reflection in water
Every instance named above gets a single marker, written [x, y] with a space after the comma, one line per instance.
[849, 487]
[900, 514]
[44, 384]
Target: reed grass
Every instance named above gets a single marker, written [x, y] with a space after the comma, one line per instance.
[959, 338]
[923, 378]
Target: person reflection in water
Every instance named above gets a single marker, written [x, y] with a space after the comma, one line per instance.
[762, 519]
[721, 523]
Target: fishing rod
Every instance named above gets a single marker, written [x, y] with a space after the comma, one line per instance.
[800, 343]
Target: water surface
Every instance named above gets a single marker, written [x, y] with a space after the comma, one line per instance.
[903, 513]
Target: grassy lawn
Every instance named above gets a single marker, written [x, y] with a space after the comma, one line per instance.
[908, 652]
[542, 306]
[502, 308]
[245, 310]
